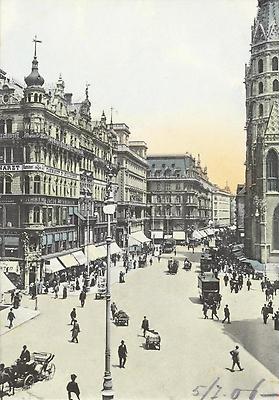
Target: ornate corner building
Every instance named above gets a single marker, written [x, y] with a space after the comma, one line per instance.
[262, 144]
[53, 161]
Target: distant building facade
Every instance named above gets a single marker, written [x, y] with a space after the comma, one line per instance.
[179, 196]
[132, 185]
[262, 144]
[223, 207]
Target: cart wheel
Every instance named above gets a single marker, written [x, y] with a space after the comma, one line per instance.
[50, 371]
[28, 381]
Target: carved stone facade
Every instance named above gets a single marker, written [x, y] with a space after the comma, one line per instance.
[262, 145]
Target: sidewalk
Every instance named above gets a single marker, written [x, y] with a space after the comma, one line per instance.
[22, 315]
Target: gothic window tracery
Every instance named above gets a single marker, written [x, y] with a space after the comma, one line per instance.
[276, 229]
[260, 66]
[274, 64]
[272, 171]
[275, 85]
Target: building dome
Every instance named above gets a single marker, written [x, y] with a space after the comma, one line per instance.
[34, 78]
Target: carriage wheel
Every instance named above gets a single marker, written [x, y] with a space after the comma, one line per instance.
[50, 371]
[28, 381]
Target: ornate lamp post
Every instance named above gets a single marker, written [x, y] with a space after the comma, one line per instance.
[108, 209]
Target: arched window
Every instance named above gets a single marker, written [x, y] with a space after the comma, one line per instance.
[36, 215]
[272, 171]
[260, 66]
[8, 184]
[35, 98]
[1, 184]
[275, 85]
[40, 98]
[260, 110]
[9, 125]
[275, 64]
[37, 185]
[260, 87]
[27, 184]
[275, 236]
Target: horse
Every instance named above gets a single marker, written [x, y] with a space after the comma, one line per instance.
[6, 376]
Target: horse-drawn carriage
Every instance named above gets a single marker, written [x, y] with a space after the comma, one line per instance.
[121, 318]
[173, 266]
[23, 375]
[152, 340]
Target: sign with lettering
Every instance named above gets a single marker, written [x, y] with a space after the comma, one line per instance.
[37, 167]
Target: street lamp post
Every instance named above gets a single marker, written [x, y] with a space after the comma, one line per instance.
[109, 209]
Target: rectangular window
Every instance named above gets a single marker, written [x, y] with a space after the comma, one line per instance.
[8, 155]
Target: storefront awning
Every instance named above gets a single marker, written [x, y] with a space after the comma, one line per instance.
[255, 264]
[203, 234]
[53, 265]
[68, 260]
[80, 257]
[140, 237]
[115, 249]
[178, 235]
[196, 235]
[157, 234]
[10, 266]
[101, 251]
[5, 284]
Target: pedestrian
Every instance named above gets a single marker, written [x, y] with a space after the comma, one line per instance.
[262, 285]
[227, 314]
[145, 325]
[16, 300]
[72, 387]
[135, 264]
[25, 355]
[75, 331]
[249, 284]
[82, 297]
[113, 309]
[56, 290]
[276, 320]
[266, 294]
[265, 313]
[77, 284]
[226, 279]
[122, 354]
[205, 309]
[65, 292]
[174, 251]
[73, 315]
[10, 318]
[235, 359]
[214, 311]
[159, 258]
[12, 295]
[150, 261]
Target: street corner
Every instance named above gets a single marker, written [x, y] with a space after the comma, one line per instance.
[22, 315]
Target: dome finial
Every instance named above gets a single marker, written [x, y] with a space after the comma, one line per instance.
[34, 78]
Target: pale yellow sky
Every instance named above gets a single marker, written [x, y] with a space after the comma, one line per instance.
[172, 69]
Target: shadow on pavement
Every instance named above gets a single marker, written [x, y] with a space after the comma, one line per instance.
[195, 300]
[260, 340]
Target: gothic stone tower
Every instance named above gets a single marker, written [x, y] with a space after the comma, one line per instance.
[262, 145]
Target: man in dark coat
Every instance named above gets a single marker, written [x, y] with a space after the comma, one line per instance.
[249, 284]
[145, 325]
[82, 297]
[235, 358]
[73, 315]
[265, 313]
[24, 355]
[122, 354]
[226, 314]
[10, 318]
[72, 387]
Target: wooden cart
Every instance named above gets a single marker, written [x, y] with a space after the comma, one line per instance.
[121, 318]
[152, 340]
